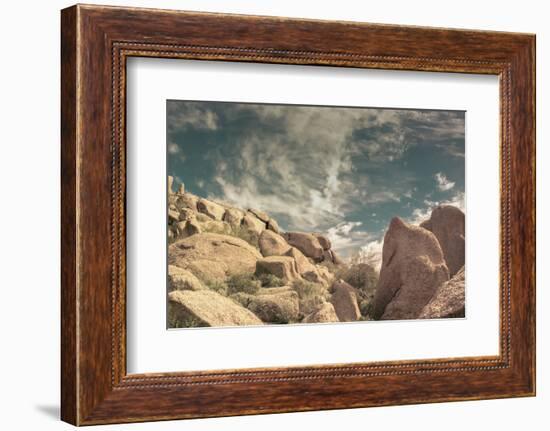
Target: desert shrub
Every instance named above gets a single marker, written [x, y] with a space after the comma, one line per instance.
[217, 286]
[307, 289]
[362, 276]
[270, 280]
[366, 308]
[245, 283]
[178, 321]
[244, 234]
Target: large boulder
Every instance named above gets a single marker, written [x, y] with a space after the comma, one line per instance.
[323, 240]
[307, 243]
[211, 209]
[187, 200]
[272, 225]
[213, 256]
[283, 267]
[181, 279]
[305, 268]
[207, 308]
[259, 214]
[324, 313]
[253, 224]
[233, 217]
[413, 268]
[448, 301]
[272, 244]
[273, 305]
[344, 300]
[447, 224]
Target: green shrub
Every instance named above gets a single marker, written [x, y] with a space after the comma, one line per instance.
[307, 290]
[270, 280]
[245, 234]
[362, 276]
[183, 321]
[366, 308]
[245, 283]
[217, 286]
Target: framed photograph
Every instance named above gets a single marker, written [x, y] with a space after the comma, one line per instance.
[267, 215]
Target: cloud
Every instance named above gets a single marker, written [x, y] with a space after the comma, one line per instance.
[345, 236]
[299, 163]
[173, 148]
[371, 253]
[181, 116]
[442, 182]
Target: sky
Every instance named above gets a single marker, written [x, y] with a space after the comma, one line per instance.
[341, 171]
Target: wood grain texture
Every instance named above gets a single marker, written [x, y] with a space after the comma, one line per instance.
[96, 41]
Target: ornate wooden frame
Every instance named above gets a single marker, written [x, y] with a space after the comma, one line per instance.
[95, 43]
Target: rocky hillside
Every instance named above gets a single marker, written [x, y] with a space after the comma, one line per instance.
[422, 273]
[229, 266]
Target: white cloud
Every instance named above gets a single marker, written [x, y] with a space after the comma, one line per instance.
[190, 115]
[443, 183]
[173, 148]
[421, 214]
[346, 236]
[371, 253]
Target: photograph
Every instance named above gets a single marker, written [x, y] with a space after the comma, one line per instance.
[298, 214]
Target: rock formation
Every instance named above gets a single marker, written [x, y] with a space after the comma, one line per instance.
[307, 243]
[324, 313]
[273, 305]
[213, 256]
[272, 244]
[449, 299]
[235, 266]
[181, 279]
[413, 268]
[207, 308]
[447, 224]
[344, 300]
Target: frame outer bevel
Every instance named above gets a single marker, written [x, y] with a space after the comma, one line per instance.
[95, 42]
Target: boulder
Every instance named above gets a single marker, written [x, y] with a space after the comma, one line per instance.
[275, 305]
[412, 269]
[207, 308]
[448, 301]
[181, 279]
[173, 215]
[213, 256]
[323, 240]
[307, 243]
[305, 268]
[192, 227]
[324, 313]
[233, 217]
[253, 224]
[211, 209]
[272, 244]
[186, 214]
[170, 184]
[447, 224]
[325, 274]
[283, 267]
[187, 200]
[273, 226]
[344, 300]
[259, 214]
